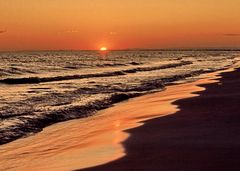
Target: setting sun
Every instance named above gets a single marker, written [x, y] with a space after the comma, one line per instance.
[103, 49]
[85, 59]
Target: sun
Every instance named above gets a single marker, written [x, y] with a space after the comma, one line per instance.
[103, 49]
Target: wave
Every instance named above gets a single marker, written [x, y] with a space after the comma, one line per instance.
[36, 80]
[27, 109]
[14, 71]
[27, 123]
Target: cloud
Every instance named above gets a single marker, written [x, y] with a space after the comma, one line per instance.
[232, 35]
[3, 31]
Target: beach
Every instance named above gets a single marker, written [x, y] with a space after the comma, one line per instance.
[127, 137]
[203, 135]
[119, 85]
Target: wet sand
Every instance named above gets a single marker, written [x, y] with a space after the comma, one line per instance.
[117, 135]
[204, 135]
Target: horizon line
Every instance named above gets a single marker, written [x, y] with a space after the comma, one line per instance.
[131, 49]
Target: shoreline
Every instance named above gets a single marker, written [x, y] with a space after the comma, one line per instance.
[30, 125]
[117, 151]
[203, 135]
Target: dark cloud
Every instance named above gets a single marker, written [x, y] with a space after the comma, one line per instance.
[3, 31]
[231, 34]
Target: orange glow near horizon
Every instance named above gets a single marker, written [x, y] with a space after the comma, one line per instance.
[103, 49]
[76, 25]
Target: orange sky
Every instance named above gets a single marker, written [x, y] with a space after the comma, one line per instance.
[90, 24]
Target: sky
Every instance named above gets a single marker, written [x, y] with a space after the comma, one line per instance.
[122, 24]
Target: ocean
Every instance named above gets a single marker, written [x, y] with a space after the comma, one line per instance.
[38, 89]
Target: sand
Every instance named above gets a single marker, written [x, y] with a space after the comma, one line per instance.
[153, 132]
[204, 135]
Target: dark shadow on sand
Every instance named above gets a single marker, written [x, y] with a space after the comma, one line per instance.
[203, 136]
